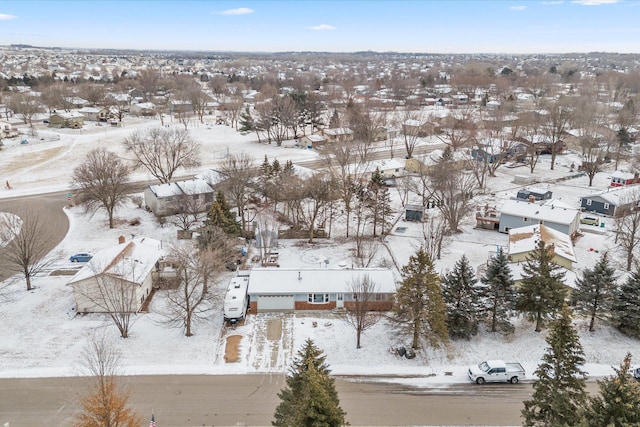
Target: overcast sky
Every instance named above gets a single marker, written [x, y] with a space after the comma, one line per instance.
[337, 26]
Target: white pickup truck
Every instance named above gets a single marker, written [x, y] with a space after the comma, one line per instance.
[493, 371]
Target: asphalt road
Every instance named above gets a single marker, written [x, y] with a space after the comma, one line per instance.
[250, 400]
[50, 207]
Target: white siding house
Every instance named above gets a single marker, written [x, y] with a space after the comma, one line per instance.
[115, 269]
[165, 199]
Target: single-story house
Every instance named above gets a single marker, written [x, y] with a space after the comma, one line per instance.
[288, 289]
[615, 202]
[143, 109]
[95, 114]
[538, 194]
[72, 119]
[127, 266]
[389, 168]
[524, 240]
[167, 199]
[622, 178]
[520, 213]
[338, 134]
[311, 141]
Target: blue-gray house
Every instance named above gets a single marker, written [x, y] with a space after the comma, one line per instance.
[615, 201]
[521, 213]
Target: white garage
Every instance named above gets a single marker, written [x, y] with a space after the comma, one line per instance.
[275, 302]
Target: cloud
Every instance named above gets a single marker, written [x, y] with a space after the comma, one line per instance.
[553, 2]
[594, 2]
[237, 11]
[5, 17]
[517, 7]
[322, 27]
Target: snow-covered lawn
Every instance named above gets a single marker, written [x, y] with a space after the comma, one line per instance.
[40, 335]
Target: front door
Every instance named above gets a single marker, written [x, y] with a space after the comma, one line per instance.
[339, 300]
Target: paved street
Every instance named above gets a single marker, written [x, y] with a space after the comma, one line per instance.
[231, 400]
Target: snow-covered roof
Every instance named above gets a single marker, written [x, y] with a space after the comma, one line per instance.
[537, 211]
[130, 261]
[194, 186]
[622, 175]
[338, 131]
[68, 115]
[212, 176]
[280, 281]
[525, 240]
[315, 138]
[618, 196]
[166, 190]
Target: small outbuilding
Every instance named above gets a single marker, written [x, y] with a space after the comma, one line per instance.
[538, 194]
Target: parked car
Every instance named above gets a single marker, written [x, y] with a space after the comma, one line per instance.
[80, 257]
[590, 220]
[496, 371]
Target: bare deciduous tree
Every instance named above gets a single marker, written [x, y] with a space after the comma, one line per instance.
[24, 105]
[557, 122]
[434, 231]
[194, 298]
[163, 151]
[238, 170]
[628, 235]
[101, 181]
[458, 129]
[106, 401]
[359, 313]
[27, 241]
[318, 192]
[189, 212]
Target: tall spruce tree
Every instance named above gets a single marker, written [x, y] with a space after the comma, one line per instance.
[220, 215]
[626, 306]
[594, 292]
[378, 202]
[559, 390]
[500, 292]
[618, 404]
[419, 307]
[464, 299]
[542, 292]
[310, 398]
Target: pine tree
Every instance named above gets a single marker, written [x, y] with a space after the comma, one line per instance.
[419, 307]
[559, 390]
[500, 293]
[334, 121]
[594, 292]
[310, 398]
[463, 297]
[626, 306]
[542, 292]
[220, 215]
[378, 202]
[618, 404]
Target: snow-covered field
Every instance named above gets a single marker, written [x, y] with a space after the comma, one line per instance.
[40, 335]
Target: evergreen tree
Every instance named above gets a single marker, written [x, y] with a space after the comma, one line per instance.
[334, 121]
[618, 404]
[220, 215]
[378, 202]
[626, 307]
[463, 297]
[419, 307]
[310, 398]
[500, 293]
[559, 390]
[247, 123]
[594, 292]
[542, 292]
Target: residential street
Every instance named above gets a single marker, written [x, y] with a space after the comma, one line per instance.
[251, 400]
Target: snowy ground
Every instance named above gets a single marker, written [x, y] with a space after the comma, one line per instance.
[41, 336]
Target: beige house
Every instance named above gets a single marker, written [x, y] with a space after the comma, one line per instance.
[73, 120]
[338, 134]
[524, 240]
[117, 278]
[95, 114]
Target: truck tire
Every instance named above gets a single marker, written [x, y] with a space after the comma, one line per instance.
[514, 380]
[479, 380]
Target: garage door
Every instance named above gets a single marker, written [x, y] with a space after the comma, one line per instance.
[275, 302]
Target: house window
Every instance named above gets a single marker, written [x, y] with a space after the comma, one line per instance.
[606, 206]
[318, 298]
[588, 202]
[525, 219]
